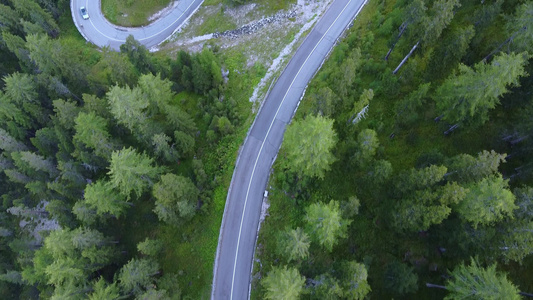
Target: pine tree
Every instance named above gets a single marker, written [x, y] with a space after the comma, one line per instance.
[283, 283]
[520, 28]
[466, 168]
[150, 247]
[325, 223]
[176, 198]
[470, 95]
[102, 290]
[132, 172]
[487, 201]
[105, 200]
[354, 280]
[137, 275]
[91, 130]
[477, 282]
[308, 145]
[294, 244]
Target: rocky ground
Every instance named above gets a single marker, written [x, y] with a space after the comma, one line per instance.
[263, 39]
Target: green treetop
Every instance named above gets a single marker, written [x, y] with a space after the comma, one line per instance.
[325, 223]
[487, 201]
[283, 284]
[476, 282]
[308, 144]
[472, 93]
[132, 172]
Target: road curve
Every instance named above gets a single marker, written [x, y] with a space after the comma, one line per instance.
[238, 232]
[100, 32]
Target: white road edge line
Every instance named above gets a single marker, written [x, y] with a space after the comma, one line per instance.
[266, 137]
[146, 38]
[171, 23]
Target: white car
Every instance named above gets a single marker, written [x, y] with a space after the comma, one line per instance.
[84, 13]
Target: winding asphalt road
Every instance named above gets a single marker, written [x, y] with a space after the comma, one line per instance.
[100, 32]
[233, 263]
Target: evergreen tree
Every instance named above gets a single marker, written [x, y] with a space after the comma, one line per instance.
[325, 223]
[440, 15]
[128, 107]
[150, 247]
[354, 280]
[308, 145]
[91, 130]
[406, 109]
[176, 198]
[10, 144]
[33, 12]
[517, 241]
[325, 287]
[520, 28]
[137, 275]
[138, 55]
[132, 172]
[466, 168]
[294, 244]
[420, 178]
[487, 201]
[283, 283]
[476, 282]
[367, 144]
[470, 95]
[102, 290]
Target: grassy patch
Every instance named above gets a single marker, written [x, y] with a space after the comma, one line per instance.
[217, 22]
[132, 12]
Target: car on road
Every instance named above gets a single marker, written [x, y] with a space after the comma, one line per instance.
[84, 13]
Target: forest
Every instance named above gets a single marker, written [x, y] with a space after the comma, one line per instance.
[114, 165]
[406, 172]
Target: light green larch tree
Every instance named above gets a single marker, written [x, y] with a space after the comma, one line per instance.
[487, 201]
[283, 284]
[132, 172]
[294, 244]
[325, 223]
[476, 282]
[308, 145]
[473, 92]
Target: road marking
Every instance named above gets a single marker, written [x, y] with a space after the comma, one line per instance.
[264, 140]
[137, 28]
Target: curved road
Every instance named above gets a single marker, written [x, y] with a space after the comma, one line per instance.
[238, 232]
[100, 32]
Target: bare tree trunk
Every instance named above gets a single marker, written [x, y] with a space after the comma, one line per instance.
[405, 58]
[526, 294]
[402, 30]
[431, 285]
[451, 129]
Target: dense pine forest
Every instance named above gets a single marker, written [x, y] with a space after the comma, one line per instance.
[114, 165]
[407, 170]
[405, 174]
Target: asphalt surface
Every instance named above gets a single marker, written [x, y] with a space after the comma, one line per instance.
[100, 32]
[233, 264]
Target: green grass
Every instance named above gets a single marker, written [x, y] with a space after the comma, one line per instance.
[132, 12]
[219, 22]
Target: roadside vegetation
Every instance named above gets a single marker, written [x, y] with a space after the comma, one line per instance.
[123, 158]
[132, 13]
[416, 181]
